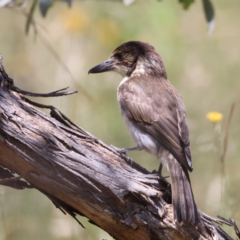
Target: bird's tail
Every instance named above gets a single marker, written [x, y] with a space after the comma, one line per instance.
[184, 207]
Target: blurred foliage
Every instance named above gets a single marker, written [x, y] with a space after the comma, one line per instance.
[205, 70]
[186, 3]
[209, 14]
[44, 6]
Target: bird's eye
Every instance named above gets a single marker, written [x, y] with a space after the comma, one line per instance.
[119, 56]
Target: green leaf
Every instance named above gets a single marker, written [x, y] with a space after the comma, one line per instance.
[30, 16]
[186, 3]
[209, 14]
[44, 6]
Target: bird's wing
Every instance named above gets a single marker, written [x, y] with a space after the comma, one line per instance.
[157, 109]
[184, 135]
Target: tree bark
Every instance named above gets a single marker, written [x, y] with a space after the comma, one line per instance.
[82, 175]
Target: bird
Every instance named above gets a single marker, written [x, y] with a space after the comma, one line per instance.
[155, 116]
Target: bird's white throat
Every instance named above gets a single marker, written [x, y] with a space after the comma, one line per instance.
[123, 81]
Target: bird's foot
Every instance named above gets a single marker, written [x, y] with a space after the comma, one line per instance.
[123, 153]
[127, 159]
[159, 171]
[119, 150]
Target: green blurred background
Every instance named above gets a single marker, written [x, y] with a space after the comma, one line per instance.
[204, 69]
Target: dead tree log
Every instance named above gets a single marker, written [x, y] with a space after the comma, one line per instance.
[81, 175]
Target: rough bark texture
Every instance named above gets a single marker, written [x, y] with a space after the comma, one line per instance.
[82, 175]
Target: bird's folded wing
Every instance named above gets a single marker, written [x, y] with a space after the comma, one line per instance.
[158, 114]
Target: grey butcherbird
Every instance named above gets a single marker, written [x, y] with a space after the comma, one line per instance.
[155, 116]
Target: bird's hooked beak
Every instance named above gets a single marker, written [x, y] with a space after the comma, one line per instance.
[103, 67]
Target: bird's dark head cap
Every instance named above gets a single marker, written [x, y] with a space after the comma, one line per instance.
[132, 56]
[135, 48]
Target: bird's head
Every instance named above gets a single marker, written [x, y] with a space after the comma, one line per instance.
[133, 57]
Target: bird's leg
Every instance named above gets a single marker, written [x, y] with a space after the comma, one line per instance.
[160, 170]
[162, 154]
[123, 152]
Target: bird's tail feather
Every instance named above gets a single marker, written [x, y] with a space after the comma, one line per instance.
[184, 207]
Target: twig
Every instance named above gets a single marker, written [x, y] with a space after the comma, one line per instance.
[7, 180]
[57, 93]
[225, 141]
[232, 223]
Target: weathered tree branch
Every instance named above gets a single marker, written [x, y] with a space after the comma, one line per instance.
[81, 175]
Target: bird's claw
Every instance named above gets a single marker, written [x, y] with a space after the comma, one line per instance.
[159, 172]
[123, 153]
[119, 150]
[128, 159]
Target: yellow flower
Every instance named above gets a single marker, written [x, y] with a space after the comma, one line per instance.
[214, 117]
